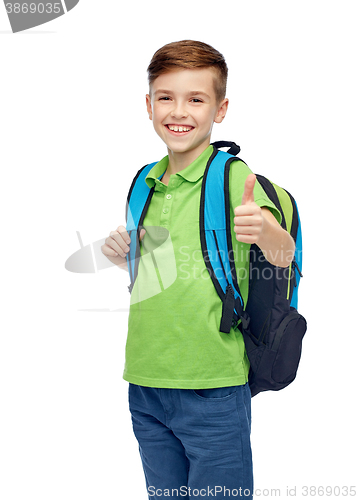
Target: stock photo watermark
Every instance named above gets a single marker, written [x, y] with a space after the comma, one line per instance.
[24, 15]
[161, 266]
[287, 492]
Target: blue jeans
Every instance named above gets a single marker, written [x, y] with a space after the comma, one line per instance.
[194, 443]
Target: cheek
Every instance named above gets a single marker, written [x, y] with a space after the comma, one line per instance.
[158, 114]
[206, 119]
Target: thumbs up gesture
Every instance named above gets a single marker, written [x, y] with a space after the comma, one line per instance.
[248, 220]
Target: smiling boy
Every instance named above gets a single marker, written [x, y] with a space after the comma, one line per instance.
[188, 393]
[183, 106]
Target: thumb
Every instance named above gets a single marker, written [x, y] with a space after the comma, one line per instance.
[141, 234]
[248, 196]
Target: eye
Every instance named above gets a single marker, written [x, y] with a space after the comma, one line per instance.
[196, 100]
[164, 98]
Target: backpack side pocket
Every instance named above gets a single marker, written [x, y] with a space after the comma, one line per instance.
[288, 346]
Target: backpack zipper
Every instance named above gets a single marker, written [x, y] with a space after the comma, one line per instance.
[295, 265]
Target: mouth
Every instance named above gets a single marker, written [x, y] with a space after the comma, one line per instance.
[179, 129]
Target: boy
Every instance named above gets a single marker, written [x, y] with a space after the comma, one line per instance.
[188, 393]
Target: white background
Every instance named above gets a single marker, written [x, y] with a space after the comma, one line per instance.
[74, 131]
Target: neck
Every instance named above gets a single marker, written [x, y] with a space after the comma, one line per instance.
[179, 161]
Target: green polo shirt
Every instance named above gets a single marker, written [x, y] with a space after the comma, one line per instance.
[173, 326]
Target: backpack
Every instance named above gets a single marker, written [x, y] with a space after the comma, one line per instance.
[270, 324]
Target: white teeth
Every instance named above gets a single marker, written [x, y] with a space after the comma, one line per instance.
[176, 128]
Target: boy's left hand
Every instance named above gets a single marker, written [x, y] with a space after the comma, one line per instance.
[248, 218]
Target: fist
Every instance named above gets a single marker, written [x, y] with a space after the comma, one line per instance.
[248, 220]
[116, 246]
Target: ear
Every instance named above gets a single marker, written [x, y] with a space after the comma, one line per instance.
[222, 109]
[149, 106]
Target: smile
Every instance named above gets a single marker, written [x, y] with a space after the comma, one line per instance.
[179, 128]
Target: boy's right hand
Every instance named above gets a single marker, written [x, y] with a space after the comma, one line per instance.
[116, 246]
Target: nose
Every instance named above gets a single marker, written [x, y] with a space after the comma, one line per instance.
[179, 110]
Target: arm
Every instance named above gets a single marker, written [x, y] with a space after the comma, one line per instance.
[253, 224]
[275, 242]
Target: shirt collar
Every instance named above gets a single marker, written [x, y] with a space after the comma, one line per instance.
[191, 173]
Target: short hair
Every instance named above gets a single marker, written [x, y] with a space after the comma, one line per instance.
[189, 54]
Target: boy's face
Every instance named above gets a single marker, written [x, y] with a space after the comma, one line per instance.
[183, 107]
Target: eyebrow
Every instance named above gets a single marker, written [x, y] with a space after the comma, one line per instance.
[192, 93]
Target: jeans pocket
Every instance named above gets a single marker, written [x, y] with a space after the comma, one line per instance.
[215, 393]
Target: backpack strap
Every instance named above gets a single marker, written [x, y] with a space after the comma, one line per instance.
[272, 195]
[296, 264]
[215, 237]
[138, 200]
[234, 149]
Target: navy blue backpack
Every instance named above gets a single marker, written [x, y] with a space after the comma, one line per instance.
[269, 322]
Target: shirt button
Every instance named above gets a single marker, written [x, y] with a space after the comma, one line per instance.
[166, 210]
[168, 196]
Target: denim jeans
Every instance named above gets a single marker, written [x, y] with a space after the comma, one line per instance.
[194, 443]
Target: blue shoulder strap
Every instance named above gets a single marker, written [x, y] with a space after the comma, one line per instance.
[297, 262]
[138, 200]
[215, 235]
